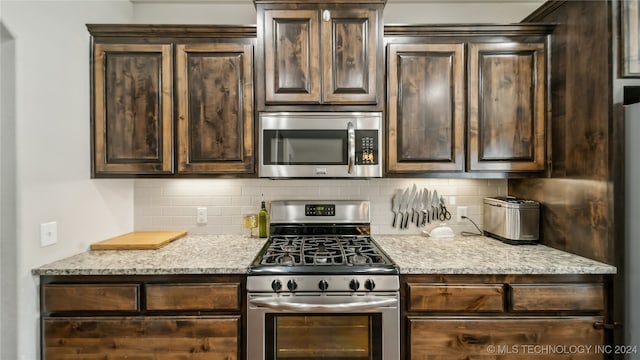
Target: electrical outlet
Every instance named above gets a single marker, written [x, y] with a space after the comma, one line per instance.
[48, 233]
[201, 215]
[460, 212]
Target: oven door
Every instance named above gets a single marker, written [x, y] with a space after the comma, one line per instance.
[319, 145]
[343, 326]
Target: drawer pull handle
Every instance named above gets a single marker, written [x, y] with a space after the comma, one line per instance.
[600, 325]
[470, 339]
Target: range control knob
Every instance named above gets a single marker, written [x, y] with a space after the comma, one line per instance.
[369, 285]
[292, 285]
[354, 284]
[276, 285]
[323, 285]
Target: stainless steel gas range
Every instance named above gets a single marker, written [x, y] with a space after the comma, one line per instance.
[321, 287]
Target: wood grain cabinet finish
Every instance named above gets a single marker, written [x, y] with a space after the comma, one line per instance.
[215, 108]
[132, 109]
[193, 296]
[172, 100]
[426, 107]
[468, 298]
[90, 297]
[507, 106]
[450, 338]
[558, 297]
[154, 337]
[317, 55]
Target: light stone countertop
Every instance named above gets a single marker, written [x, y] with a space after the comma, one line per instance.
[232, 254]
[482, 255]
[193, 254]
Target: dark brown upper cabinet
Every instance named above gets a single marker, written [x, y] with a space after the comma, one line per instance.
[466, 101]
[215, 108]
[132, 112]
[172, 100]
[507, 106]
[426, 107]
[313, 54]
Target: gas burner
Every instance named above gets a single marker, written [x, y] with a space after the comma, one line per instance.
[322, 250]
[359, 259]
[288, 248]
[306, 242]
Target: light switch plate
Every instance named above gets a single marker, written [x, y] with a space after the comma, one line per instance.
[48, 233]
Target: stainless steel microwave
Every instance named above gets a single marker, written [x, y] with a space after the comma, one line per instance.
[327, 145]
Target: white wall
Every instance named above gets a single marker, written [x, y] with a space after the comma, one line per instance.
[8, 245]
[53, 182]
[242, 12]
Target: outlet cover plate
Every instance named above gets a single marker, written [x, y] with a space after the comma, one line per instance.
[48, 233]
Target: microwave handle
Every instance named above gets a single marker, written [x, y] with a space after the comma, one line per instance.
[351, 143]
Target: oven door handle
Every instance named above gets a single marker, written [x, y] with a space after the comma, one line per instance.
[326, 304]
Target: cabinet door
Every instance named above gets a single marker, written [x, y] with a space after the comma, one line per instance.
[426, 107]
[449, 338]
[292, 56]
[507, 107]
[132, 109]
[349, 50]
[141, 337]
[215, 108]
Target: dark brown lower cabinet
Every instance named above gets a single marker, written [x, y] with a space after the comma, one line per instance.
[450, 338]
[159, 317]
[450, 317]
[148, 337]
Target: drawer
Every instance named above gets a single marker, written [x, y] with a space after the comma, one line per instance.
[446, 338]
[200, 296]
[557, 297]
[90, 297]
[141, 337]
[456, 297]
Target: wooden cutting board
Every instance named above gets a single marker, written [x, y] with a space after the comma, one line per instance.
[139, 240]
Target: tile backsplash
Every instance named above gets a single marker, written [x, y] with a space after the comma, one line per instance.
[170, 204]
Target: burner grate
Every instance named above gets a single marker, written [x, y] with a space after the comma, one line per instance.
[322, 250]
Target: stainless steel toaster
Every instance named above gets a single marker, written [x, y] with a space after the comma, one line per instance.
[512, 220]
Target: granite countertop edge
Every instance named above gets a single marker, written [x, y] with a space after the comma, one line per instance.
[413, 254]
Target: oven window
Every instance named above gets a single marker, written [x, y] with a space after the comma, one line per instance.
[318, 336]
[305, 147]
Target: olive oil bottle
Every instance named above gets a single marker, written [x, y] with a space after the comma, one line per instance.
[263, 221]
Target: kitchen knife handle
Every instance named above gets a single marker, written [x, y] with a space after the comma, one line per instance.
[395, 217]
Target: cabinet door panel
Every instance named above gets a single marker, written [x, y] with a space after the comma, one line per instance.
[141, 338]
[90, 297]
[426, 107]
[199, 296]
[554, 297]
[292, 56]
[450, 297]
[449, 338]
[507, 112]
[215, 108]
[132, 117]
[349, 44]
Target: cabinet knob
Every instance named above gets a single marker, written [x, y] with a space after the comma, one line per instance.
[326, 15]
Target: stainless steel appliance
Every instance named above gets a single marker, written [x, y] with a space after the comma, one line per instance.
[321, 287]
[632, 225]
[332, 145]
[512, 220]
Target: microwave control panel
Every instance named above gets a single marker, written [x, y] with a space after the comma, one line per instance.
[367, 147]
